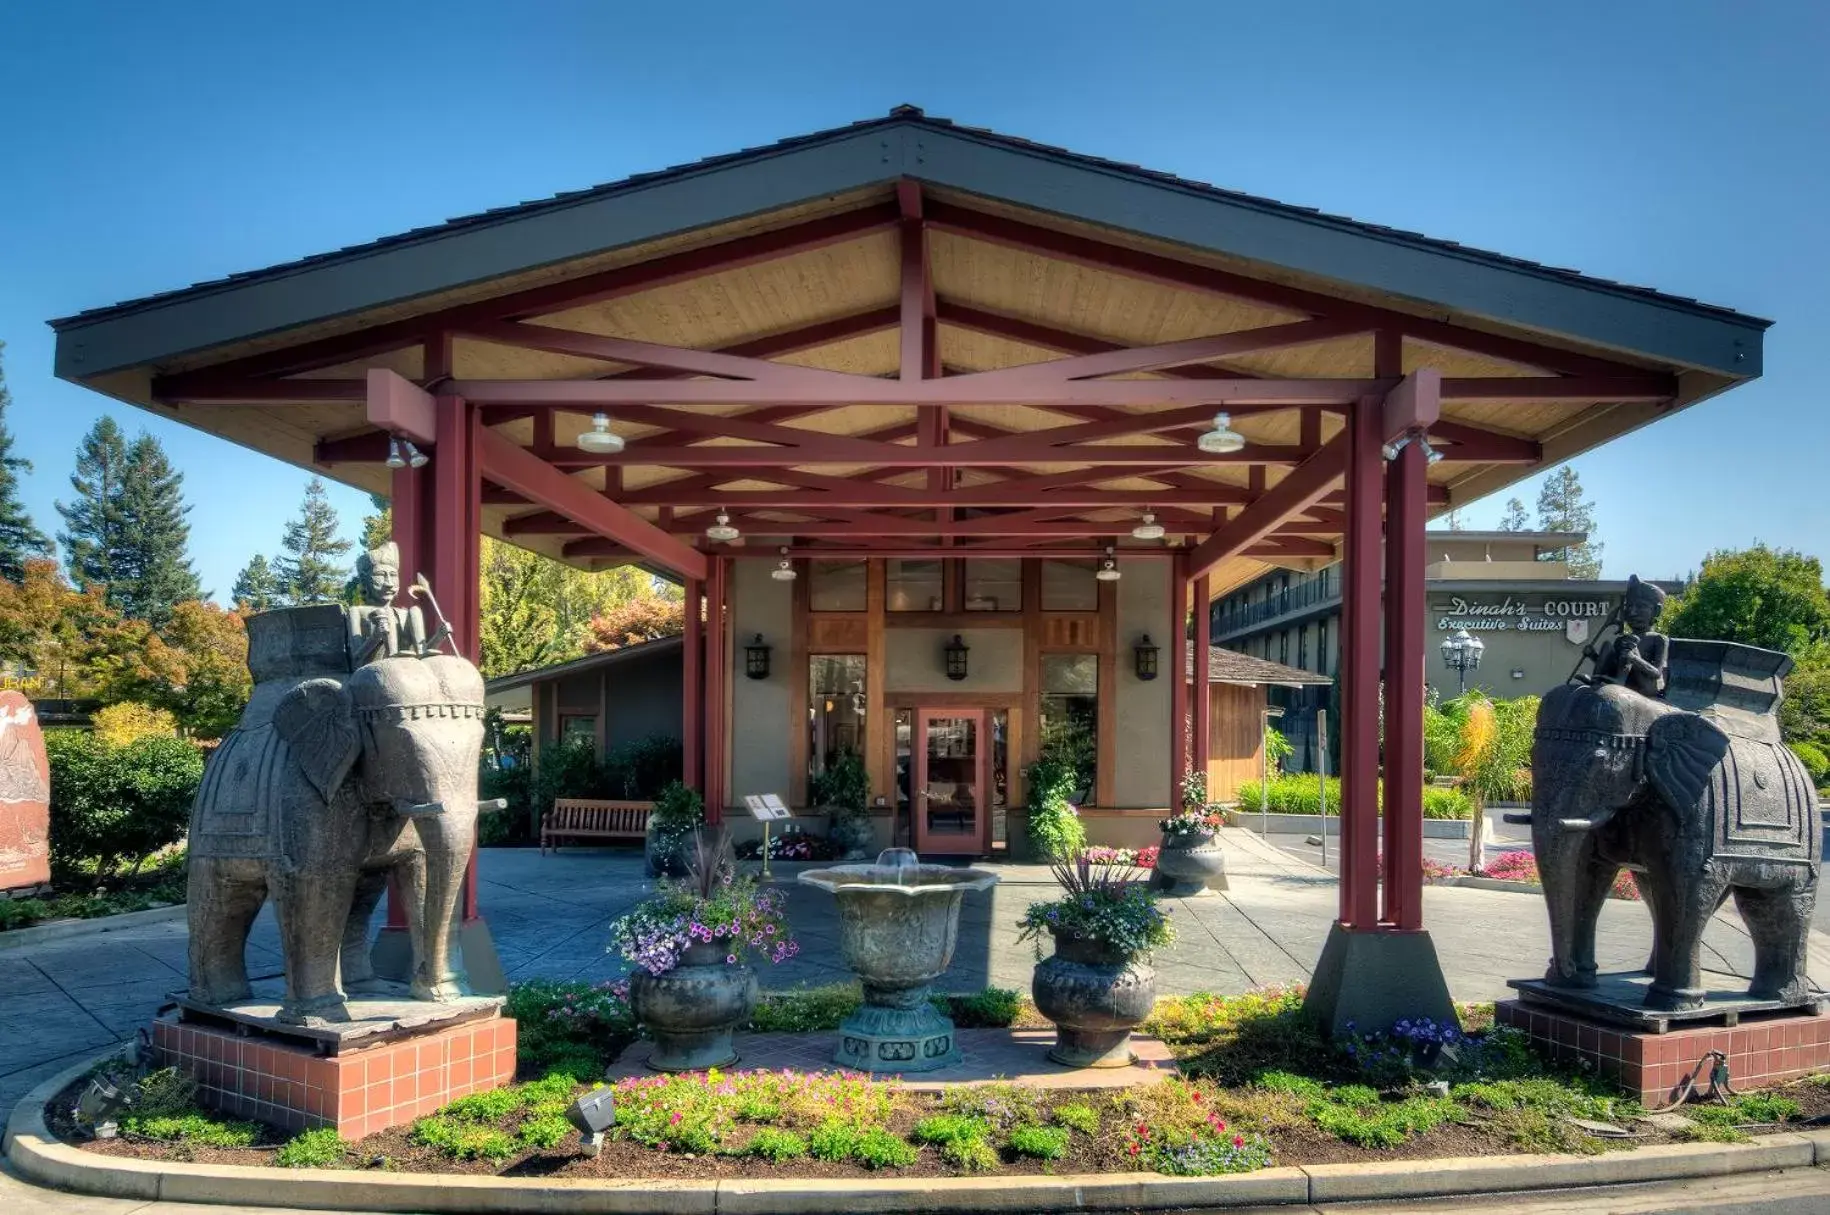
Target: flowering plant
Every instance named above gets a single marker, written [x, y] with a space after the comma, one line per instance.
[1202, 821]
[712, 905]
[1141, 858]
[1103, 902]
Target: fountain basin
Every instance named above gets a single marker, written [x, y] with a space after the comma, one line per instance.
[898, 925]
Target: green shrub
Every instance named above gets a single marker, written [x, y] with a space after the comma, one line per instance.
[1077, 1115]
[805, 1010]
[969, 1155]
[1349, 1116]
[879, 1148]
[1040, 1142]
[1055, 829]
[640, 769]
[163, 1093]
[194, 1127]
[833, 1140]
[844, 785]
[568, 767]
[993, 1008]
[17, 913]
[1439, 802]
[678, 812]
[776, 1145]
[1816, 762]
[1301, 794]
[492, 1106]
[113, 807]
[950, 1128]
[544, 1131]
[568, 1026]
[994, 1106]
[463, 1140]
[320, 1148]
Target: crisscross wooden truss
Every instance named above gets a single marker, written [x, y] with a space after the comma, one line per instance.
[929, 397]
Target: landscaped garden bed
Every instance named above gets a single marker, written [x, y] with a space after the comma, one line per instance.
[1259, 1087]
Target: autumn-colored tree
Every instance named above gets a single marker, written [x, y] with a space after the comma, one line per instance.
[535, 611]
[45, 624]
[633, 621]
[195, 666]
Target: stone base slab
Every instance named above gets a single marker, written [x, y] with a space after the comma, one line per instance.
[1368, 981]
[1763, 1049]
[359, 1091]
[384, 1012]
[1620, 997]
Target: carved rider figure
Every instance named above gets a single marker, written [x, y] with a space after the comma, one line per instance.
[377, 628]
[1638, 657]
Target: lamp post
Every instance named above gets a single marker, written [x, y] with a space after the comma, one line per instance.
[1461, 652]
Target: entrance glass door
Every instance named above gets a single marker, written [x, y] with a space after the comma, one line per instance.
[950, 807]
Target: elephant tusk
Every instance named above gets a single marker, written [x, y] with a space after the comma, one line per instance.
[1575, 824]
[423, 809]
[494, 803]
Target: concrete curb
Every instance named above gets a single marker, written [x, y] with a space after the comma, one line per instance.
[64, 930]
[43, 1159]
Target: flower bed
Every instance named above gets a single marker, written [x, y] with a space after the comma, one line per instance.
[791, 846]
[1260, 1087]
[1520, 865]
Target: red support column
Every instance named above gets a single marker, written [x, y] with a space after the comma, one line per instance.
[1404, 685]
[1180, 672]
[1202, 690]
[1359, 669]
[692, 692]
[716, 680]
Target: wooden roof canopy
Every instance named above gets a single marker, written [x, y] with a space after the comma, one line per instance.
[905, 336]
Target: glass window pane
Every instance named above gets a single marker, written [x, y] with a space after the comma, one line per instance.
[1070, 716]
[1069, 586]
[905, 762]
[835, 709]
[835, 586]
[914, 586]
[994, 586]
[576, 725]
[1073, 674]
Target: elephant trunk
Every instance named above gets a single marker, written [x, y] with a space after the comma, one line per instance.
[1563, 855]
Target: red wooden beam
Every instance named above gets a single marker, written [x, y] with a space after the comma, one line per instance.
[833, 389]
[1359, 669]
[1458, 441]
[1404, 688]
[1302, 488]
[1171, 355]
[369, 447]
[1030, 333]
[552, 297]
[1087, 251]
[681, 359]
[513, 468]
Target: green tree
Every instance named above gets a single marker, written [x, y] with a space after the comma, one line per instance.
[535, 611]
[257, 587]
[95, 527]
[1762, 596]
[311, 571]
[153, 573]
[1515, 519]
[20, 540]
[378, 528]
[1562, 508]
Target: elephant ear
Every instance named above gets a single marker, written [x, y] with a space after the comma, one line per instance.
[318, 721]
[1683, 750]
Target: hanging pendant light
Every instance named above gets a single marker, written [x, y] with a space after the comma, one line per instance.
[784, 569]
[1222, 439]
[1147, 528]
[600, 439]
[721, 529]
[1108, 569]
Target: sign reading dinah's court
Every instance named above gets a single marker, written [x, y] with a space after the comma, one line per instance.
[1572, 617]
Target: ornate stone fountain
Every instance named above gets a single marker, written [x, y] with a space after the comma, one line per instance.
[898, 924]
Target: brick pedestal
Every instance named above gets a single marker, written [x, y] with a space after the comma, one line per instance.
[358, 1091]
[1652, 1067]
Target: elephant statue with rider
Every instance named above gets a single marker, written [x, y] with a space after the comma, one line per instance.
[1667, 761]
[354, 761]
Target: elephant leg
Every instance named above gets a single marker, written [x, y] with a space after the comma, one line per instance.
[224, 897]
[1778, 921]
[432, 880]
[354, 962]
[1677, 967]
[313, 910]
[1593, 883]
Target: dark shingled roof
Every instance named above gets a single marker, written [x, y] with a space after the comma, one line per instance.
[908, 115]
[1230, 666]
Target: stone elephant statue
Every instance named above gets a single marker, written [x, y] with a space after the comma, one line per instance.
[1697, 796]
[329, 784]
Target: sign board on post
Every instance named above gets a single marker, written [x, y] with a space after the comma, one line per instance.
[766, 807]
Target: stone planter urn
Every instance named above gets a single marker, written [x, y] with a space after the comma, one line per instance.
[852, 834]
[692, 1009]
[898, 924]
[1188, 864]
[1096, 996]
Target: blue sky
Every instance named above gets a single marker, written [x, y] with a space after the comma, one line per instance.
[1682, 146]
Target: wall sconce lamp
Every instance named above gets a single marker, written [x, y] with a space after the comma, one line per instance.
[756, 658]
[1145, 652]
[956, 651]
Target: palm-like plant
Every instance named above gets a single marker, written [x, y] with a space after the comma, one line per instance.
[1488, 771]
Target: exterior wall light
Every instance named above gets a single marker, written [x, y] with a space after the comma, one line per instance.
[1145, 653]
[413, 457]
[600, 439]
[955, 652]
[1391, 450]
[756, 658]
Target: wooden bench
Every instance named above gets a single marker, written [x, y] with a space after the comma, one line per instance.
[579, 818]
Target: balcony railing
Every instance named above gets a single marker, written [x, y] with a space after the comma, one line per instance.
[1320, 591]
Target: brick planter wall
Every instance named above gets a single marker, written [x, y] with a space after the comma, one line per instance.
[1652, 1067]
[358, 1092]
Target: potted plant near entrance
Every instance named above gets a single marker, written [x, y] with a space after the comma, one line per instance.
[688, 942]
[1096, 988]
[843, 791]
[678, 813]
[1189, 861]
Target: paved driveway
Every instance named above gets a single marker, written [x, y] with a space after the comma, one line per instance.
[60, 1001]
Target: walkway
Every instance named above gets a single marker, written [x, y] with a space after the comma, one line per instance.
[63, 1000]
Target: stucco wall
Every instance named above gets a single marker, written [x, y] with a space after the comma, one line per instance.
[643, 697]
[913, 661]
[759, 707]
[1142, 778]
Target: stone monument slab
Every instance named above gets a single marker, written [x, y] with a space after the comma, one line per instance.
[25, 797]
